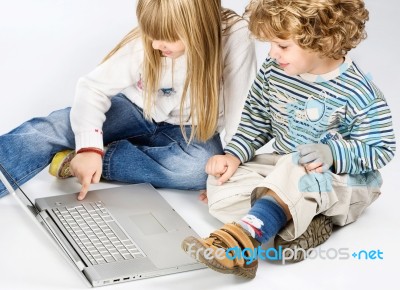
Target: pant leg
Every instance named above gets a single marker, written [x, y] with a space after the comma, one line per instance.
[355, 192]
[233, 199]
[344, 197]
[125, 120]
[162, 158]
[29, 148]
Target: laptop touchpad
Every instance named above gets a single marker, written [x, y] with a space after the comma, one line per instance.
[148, 224]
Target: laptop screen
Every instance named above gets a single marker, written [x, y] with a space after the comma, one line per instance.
[14, 189]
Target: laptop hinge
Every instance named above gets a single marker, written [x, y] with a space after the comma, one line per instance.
[61, 240]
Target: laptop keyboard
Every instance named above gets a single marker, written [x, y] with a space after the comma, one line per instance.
[97, 233]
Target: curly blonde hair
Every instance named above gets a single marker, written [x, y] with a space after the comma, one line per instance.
[330, 27]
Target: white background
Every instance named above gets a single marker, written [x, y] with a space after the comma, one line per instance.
[46, 45]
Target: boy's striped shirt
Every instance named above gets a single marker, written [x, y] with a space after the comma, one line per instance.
[342, 109]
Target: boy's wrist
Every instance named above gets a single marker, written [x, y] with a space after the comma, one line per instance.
[234, 158]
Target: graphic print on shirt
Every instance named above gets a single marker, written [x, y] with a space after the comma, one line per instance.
[315, 107]
[166, 92]
[162, 92]
[304, 119]
[139, 83]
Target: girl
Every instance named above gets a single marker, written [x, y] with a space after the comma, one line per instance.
[158, 102]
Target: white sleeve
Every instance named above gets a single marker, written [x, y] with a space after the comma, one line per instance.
[94, 91]
[240, 66]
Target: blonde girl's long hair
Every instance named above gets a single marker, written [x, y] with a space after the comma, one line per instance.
[199, 24]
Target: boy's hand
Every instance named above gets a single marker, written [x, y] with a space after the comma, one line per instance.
[316, 157]
[222, 167]
[87, 167]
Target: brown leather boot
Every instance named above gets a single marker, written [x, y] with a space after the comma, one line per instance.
[319, 230]
[223, 251]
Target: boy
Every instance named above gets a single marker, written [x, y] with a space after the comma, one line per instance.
[332, 129]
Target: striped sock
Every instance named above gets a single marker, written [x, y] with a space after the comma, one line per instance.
[264, 219]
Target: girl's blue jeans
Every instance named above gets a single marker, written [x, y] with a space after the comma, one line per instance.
[138, 150]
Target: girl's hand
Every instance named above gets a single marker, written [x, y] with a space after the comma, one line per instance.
[203, 196]
[222, 166]
[87, 167]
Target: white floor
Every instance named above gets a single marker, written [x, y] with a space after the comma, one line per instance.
[46, 45]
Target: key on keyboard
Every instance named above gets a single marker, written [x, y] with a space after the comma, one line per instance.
[97, 233]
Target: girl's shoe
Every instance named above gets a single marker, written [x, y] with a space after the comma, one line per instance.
[59, 166]
[319, 230]
[223, 251]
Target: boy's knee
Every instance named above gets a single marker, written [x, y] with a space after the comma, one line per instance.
[225, 202]
[229, 210]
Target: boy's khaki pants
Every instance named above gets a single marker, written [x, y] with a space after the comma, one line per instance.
[343, 197]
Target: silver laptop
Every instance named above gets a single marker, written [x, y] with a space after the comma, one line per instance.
[115, 235]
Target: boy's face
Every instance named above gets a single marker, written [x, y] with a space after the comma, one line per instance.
[295, 60]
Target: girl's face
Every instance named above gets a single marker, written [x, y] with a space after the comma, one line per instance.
[295, 60]
[169, 49]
